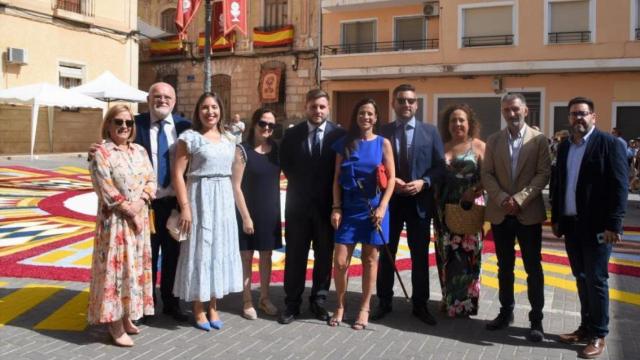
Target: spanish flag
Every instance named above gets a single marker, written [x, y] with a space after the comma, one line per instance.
[222, 43]
[170, 45]
[278, 37]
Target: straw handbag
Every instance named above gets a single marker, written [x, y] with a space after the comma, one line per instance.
[465, 222]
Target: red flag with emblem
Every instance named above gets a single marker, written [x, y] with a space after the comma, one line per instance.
[235, 16]
[185, 12]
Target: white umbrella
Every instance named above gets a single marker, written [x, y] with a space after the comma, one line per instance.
[108, 88]
[44, 94]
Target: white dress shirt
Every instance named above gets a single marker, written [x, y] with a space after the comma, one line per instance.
[311, 128]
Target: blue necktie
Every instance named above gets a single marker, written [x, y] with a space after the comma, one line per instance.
[315, 149]
[163, 156]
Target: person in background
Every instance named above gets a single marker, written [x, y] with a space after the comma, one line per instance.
[236, 127]
[123, 178]
[258, 215]
[359, 213]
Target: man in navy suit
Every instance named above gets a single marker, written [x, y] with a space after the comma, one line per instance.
[589, 198]
[158, 130]
[308, 162]
[419, 159]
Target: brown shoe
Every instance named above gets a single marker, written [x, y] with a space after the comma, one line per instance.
[578, 336]
[594, 349]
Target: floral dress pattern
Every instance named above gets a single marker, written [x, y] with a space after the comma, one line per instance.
[121, 282]
[458, 255]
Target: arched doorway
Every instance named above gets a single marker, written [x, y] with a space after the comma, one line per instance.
[221, 85]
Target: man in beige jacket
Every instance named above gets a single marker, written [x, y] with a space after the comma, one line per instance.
[516, 168]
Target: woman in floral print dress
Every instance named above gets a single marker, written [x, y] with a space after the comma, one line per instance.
[458, 255]
[123, 178]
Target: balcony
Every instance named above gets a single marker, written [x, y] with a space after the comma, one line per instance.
[570, 37]
[382, 46]
[82, 7]
[489, 40]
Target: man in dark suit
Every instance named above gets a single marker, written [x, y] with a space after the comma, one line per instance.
[158, 130]
[308, 162]
[589, 198]
[419, 159]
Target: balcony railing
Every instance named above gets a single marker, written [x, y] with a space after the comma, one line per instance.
[637, 34]
[83, 7]
[489, 40]
[569, 37]
[381, 46]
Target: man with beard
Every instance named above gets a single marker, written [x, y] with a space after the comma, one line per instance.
[515, 169]
[419, 158]
[157, 131]
[589, 191]
[308, 162]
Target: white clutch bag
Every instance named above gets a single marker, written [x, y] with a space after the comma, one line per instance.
[173, 226]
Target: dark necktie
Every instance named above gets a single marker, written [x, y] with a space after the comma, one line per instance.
[403, 161]
[315, 148]
[163, 156]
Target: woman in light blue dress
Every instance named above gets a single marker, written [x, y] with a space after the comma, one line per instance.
[209, 265]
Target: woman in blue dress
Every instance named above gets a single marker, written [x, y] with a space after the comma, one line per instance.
[209, 265]
[359, 211]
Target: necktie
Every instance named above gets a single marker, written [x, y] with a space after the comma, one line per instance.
[315, 148]
[403, 161]
[163, 156]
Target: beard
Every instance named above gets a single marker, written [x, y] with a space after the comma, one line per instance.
[161, 112]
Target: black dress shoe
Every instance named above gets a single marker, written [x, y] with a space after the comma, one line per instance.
[138, 322]
[380, 312]
[319, 311]
[500, 322]
[536, 334]
[422, 313]
[288, 316]
[176, 313]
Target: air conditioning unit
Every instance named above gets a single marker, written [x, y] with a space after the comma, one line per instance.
[16, 56]
[431, 9]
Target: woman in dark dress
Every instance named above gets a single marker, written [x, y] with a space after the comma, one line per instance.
[259, 207]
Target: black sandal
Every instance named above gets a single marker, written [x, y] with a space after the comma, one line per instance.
[361, 325]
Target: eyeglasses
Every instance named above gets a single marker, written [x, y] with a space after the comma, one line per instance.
[119, 122]
[576, 114]
[267, 125]
[409, 101]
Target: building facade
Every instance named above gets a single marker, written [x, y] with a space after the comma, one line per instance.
[475, 51]
[65, 43]
[273, 65]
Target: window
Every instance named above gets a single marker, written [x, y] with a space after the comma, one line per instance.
[626, 121]
[487, 26]
[275, 13]
[410, 33]
[70, 75]
[569, 22]
[635, 19]
[560, 118]
[359, 36]
[168, 21]
[486, 107]
[84, 7]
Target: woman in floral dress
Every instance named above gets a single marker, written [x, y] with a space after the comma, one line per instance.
[458, 255]
[123, 178]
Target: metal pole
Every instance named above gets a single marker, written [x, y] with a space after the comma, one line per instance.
[207, 46]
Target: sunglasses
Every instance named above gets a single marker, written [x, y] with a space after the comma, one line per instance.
[576, 114]
[267, 125]
[409, 101]
[119, 122]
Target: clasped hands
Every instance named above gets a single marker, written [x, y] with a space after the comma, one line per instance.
[510, 206]
[408, 188]
[132, 211]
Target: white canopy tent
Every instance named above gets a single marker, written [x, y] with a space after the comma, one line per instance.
[107, 87]
[44, 94]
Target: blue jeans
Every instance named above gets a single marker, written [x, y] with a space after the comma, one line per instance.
[589, 264]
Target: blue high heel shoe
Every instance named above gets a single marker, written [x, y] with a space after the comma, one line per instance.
[216, 324]
[204, 326]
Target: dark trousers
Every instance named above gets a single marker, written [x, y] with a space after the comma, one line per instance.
[589, 264]
[403, 210]
[307, 228]
[162, 241]
[530, 241]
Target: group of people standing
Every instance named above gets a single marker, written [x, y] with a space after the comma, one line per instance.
[229, 202]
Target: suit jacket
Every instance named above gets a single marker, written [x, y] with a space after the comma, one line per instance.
[602, 188]
[143, 129]
[309, 180]
[427, 161]
[532, 175]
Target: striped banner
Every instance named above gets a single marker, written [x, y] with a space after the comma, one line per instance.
[170, 45]
[222, 43]
[278, 37]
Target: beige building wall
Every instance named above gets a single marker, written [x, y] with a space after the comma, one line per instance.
[102, 40]
[243, 65]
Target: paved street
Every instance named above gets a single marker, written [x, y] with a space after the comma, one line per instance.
[43, 295]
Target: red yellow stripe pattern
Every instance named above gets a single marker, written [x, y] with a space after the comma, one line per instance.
[278, 37]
